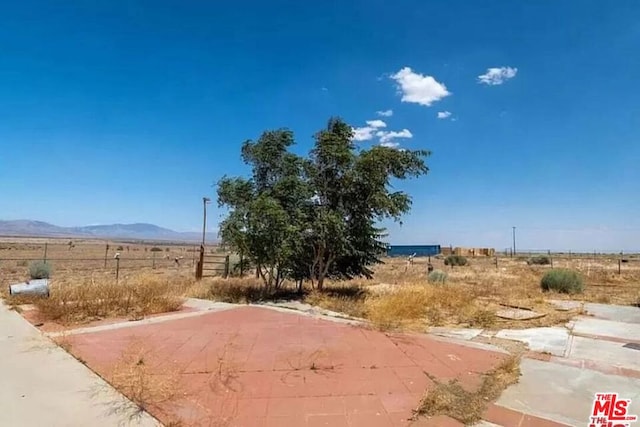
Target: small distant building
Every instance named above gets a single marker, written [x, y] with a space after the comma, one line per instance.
[417, 250]
[468, 252]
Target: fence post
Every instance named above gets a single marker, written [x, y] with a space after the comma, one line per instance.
[45, 252]
[117, 257]
[241, 264]
[106, 253]
[153, 257]
[226, 266]
[200, 266]
[496, 263]
[551, 259]
[619, 266]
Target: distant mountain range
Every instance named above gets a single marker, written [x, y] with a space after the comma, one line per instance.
[140, 231]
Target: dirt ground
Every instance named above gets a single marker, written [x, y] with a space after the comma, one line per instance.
[399, 296]
[399, 299]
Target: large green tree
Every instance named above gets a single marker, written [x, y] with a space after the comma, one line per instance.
[353, 192]
[263, 221]
[316, 217]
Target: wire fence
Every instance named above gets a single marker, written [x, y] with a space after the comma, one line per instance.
[72, 258]
[596, 261]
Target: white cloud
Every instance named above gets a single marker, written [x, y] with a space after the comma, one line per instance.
[373, 130]
[366, 133]
[363, 134]
[389, 136]
[497, 76]
[376, 124]
[444, 114]
[389, 144]
[418, 88]
[385, 113]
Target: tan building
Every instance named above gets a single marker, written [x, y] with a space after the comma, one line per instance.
[468, 252]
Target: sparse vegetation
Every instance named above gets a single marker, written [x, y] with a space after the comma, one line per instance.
[136, 375]
[93, 299]
[39, 270]
[437, 277]
[468, 406]
[539, 260]
[562, 280]
[455, 261]
[154, 249]
[472, 296]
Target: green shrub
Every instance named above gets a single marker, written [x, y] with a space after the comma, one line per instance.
[539, 260]
[155, 249]
[437, 276]
[39, 270]
[119, 248]
[562, 280]
[454, 260]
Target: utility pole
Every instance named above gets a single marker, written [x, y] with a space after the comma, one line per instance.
[200, 267]
[514, 242]
[205, 200]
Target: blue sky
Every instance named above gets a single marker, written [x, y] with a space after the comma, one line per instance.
[128, 111]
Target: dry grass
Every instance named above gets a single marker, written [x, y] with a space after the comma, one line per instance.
[348, 299]
[466, 406]
[398, 297]
[417, 306]
[135, 374]
[98, 298]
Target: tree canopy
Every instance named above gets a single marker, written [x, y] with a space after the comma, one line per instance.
[315, 217]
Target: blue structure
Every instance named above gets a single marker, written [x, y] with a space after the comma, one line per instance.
[408, 250]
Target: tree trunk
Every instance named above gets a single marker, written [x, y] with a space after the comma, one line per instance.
[260, 273]
[278, 278]
[323, 270]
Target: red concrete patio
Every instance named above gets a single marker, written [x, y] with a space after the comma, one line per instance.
[253, 367]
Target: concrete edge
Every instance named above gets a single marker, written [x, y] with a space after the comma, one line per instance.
[53, 346]
[134, 323]
[471, 344]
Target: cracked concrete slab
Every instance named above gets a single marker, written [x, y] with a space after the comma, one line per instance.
[518, 314]
[463, 334]
[611, 353]
[606, 328]
[553, 340]
[563, 305]
[618, 313]
[304, 309]
[563, 393]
